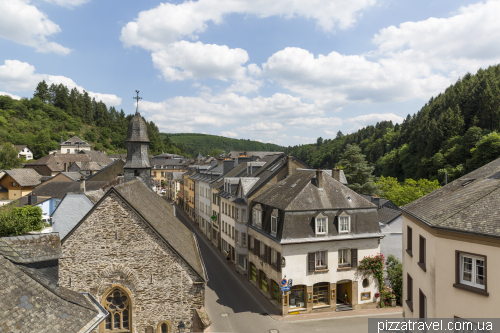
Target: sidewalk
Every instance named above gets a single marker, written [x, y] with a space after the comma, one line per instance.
[264, 303]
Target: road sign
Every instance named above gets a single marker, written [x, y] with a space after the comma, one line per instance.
[290, 282]
[285, 288]
[283, 282]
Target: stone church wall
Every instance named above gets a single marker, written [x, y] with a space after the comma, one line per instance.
[113, 246]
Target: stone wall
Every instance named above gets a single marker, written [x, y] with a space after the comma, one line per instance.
[114, 246]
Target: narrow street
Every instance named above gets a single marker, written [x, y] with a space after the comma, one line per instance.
[233, 308]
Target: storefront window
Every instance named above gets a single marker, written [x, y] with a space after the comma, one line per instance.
[297, 297]
[263, 281]
[320, 294]
[276, 292]
[254, 273]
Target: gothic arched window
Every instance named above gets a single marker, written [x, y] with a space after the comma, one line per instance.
[163, 327]
[117, 302]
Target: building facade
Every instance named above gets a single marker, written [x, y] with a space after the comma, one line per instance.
[451, 240]
[312, 230]
[73, 145]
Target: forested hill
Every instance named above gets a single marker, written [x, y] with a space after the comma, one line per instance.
[456, 131]
[56, 111]
[211, 144]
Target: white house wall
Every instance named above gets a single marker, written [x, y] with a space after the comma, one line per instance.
[296, 256]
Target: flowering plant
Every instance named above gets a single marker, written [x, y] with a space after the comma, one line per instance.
[373, 265]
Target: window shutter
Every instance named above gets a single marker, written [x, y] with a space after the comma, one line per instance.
[312, 258]
[354, 257]
[268, 255]
[256, 247]
[278, 262]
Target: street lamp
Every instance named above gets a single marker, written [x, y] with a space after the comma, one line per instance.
[181, 327]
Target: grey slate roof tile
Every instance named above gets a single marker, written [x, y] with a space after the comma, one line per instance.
[468, 204]
[25, 177]
[31, 248]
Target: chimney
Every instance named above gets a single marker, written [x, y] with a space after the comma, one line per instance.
[289, 164]
[82, 184]
[336, 174]
[220, 160]
[31, 199]
[228, 166]
[319, 178]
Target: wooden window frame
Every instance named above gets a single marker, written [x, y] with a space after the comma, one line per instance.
[422, 252]
[409, 240]
[275, 219]
[347, 263]
[317, 221]
[366, 298]
[348, 224]
[466, 287]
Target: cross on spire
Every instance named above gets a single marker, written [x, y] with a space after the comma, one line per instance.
[137, 98]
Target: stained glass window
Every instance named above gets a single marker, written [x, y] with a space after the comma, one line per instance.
[118, 305]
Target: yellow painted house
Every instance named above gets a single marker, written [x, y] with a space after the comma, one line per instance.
[19, 182]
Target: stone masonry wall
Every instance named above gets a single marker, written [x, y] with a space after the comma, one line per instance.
[113, 246]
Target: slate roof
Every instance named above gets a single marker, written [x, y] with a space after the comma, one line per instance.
[300, 192]
[23, 201]
[94, 196]
[97, 156]
[31, 299]
[25, 177]
[74, 140]
[105, 167]
[118, 156]
[468, 204]
[387, 215]
[56, 162]
[58, 189]
[159, 214]
[72, 175]
[137, 130]
[31, 248]
[88, 166]
[18, 147]
[175, 175]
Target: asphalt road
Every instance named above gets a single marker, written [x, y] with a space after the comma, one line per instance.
[232, 309]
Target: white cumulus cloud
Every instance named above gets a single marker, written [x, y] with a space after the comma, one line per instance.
[68, 3]
[20, 76]
[229, 134]
[25, 24]
[2, 93]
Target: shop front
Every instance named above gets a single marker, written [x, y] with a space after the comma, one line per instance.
[297, 298]
[320, 294]
[253, 273]
[263, 282]
[276, 292]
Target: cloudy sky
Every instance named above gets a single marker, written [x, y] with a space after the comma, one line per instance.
[282, 71]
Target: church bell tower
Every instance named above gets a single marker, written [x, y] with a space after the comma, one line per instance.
[137, 164]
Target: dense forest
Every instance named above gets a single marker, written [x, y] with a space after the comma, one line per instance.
[56, 111]
[205, 143]
[455, 132]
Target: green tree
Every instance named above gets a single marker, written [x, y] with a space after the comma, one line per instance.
[319, 142]
[395, 275]
[20, 220]
[215, 152]
[357, 171]
[42, 92]
[8, 157]
[486, 150]
[410, 190]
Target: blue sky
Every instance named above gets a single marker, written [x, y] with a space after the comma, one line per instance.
[282, 71]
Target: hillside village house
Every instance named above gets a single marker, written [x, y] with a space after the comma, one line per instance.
[19, 182]
[189, 195]
[23, 151]
[55, 162]
[451, 242]
[73, 145]
[238, 188]
[173, 185]
[313, 230]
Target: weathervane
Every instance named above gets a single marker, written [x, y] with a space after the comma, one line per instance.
[137, 98]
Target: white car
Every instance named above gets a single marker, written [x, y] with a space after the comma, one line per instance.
[163, 191]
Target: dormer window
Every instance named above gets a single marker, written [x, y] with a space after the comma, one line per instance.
[321, 225]
[274, 225]
[257, 216]
[344, 224]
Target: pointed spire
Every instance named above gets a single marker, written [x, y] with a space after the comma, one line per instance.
[137, 98]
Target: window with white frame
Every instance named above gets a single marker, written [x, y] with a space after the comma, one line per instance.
[237, 212]
[257, 216]
[274, 257]
[237, 237]
[244, 215]
[320, 259]
[344, 224]
[472, 270]
[243, 239]
[274, 225]
[321, 225]
[343, 256]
